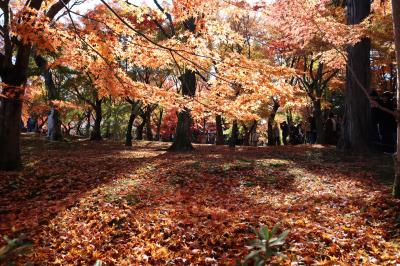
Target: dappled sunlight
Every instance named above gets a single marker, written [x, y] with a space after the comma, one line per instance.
[147, 206]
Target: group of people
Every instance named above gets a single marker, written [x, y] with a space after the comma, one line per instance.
[306, 133]
[383, 123]
[31, 125]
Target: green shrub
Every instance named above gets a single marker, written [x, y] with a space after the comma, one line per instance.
[264, 246]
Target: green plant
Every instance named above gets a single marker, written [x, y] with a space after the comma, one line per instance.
[14, 246]
[265, 246]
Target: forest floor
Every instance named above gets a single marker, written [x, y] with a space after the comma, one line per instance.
[81, 201]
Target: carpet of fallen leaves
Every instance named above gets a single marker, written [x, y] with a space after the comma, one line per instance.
[81, 201]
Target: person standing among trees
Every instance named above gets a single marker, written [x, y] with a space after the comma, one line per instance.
[312, 133]
[375, 116]
[285, 132]
[330, 130]
[50, 123]
[387, 123]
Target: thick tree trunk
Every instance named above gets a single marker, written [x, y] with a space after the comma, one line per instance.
[183, 138]
[96, 132]
[319, 121]
[129, 137]
[396, 26]
[234, 134]
[10, 127]
[11, 108]
[219, 131]
[356, 129]
[56, 133]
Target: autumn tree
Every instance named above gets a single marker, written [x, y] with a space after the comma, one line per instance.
[20, 33]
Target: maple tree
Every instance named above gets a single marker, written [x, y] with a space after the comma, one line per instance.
[188, 72]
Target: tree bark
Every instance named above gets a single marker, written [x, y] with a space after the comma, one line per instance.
[139, 130]
[234, 134]
[271, 119]
[96, 132]
[149, 132]
[246, 139]
[183, 136]
[158, 135]
[356, 129]
[219, 131]
[396, 26]
[319, 121]
[87, 129]
[10, 128]
[132, 117]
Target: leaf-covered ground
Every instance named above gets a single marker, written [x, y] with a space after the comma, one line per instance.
[82, 201]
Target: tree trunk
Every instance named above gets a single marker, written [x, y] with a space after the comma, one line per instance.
[234, 134]
[87, 129]
[356, 129]
[149, 132]
[319, 121]
[10, 128]
[271, 119]
[139, 130]
[220, 132]
[246, 139]
[158, 135]
[183, 138]
[132, 117]
[96, 132]
[56, 133]
[396, 26]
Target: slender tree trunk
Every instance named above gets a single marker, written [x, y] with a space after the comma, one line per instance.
[246, 137]
[319, 121]
[356, 129]
[96, 132]
[234, 134]
[149, 132]
[219, 131]
[139, 130]
[132, 117]
[246, 140]
[396, 26]
[271, 119]
[87, 129]
[158, 135]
